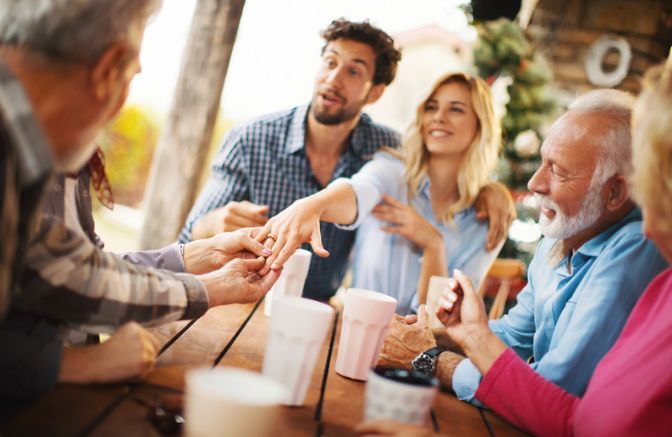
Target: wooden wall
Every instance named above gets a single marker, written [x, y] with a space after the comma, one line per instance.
[565, 29]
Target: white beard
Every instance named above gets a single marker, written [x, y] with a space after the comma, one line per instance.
[562, 226]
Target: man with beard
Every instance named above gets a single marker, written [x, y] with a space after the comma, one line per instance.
[269, 163]
[588, 271]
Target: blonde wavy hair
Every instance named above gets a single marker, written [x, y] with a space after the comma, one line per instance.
[652, 143]
[481, 156]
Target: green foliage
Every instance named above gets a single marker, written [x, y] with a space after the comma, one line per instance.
[503, 49]
[129, 142]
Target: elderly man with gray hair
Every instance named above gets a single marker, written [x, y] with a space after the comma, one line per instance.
[588, 271]
[65, 69]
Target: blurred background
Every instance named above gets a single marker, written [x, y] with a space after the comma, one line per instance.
[536, 54]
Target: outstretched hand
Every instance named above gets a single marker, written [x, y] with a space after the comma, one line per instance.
[284, 233]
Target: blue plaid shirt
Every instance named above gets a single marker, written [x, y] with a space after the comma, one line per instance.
[265, 162]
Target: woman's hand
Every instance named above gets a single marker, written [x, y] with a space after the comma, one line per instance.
[462, 311]
[298, 224]
[406, 221]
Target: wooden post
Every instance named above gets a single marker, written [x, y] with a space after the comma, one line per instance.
[183, 145]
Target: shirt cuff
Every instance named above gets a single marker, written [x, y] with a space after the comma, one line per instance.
[466, 379]
[367, 198]
[172, 258]
[197, 296]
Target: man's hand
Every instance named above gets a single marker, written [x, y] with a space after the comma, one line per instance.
[406, 339]
[392, 428]
[406, 221]
[233, 216]
[494, 203]
[203, 256]
[129, 354]
[298, 224]
[239, 281]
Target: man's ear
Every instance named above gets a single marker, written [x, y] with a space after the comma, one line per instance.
[375, 93]
[618, 192]
[107, 69]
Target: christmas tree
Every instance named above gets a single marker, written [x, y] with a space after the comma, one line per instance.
[503, 54]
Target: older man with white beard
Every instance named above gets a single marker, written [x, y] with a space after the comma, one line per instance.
[588, 271]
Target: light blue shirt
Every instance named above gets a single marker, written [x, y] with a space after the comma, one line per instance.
[568, 320]
[391, 264]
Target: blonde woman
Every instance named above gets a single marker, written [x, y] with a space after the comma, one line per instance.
[414, 207]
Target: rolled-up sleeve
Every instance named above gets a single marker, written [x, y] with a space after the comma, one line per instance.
[68, 280]
[378, 177]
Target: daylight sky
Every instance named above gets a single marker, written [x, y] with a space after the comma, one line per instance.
[277, 48]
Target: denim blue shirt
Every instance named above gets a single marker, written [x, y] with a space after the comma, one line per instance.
[390, 263]
[568, 319]
[265, 162]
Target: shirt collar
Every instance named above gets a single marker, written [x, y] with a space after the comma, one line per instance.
[594, 246]
[24, 133]
[296, 136]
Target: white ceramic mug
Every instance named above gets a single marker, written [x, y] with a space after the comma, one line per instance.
[366, 318]
[400, 395]
[230, 402]
[291, 280]
[298, 329]
[435, 289]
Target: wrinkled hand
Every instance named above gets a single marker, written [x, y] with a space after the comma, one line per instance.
[298, 224]
[233, 216]
[129, 354]
[494, 203]
[239, 281]
[203, 256]
[406, 339]
[462, 310]
[406, 221]
[392, 428]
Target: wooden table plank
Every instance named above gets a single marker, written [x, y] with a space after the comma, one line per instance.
[69, 410]
[501, 427]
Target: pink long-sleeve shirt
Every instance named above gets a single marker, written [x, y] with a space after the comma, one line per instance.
[629, 394]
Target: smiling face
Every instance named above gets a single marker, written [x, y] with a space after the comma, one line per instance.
[449, 123]
[344, 82]
[563, 185]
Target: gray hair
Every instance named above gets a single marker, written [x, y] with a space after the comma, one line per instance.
[79, 30]
[616, 154]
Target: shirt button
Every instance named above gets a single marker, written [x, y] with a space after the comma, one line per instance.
[549, 323]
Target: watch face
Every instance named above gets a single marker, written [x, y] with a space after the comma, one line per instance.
[423, 364]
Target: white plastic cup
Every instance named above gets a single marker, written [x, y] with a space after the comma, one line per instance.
[230, 402]
[291, 280]
[436, 288]
[366, 318]
[298, 329]
[400, 395]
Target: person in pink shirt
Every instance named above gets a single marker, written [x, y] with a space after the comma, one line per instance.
[630, 392]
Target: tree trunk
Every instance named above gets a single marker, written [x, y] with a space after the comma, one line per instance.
[183, 145]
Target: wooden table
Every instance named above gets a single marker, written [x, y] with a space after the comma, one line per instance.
[228, 336]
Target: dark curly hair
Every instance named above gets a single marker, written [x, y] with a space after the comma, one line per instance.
[387, 56]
